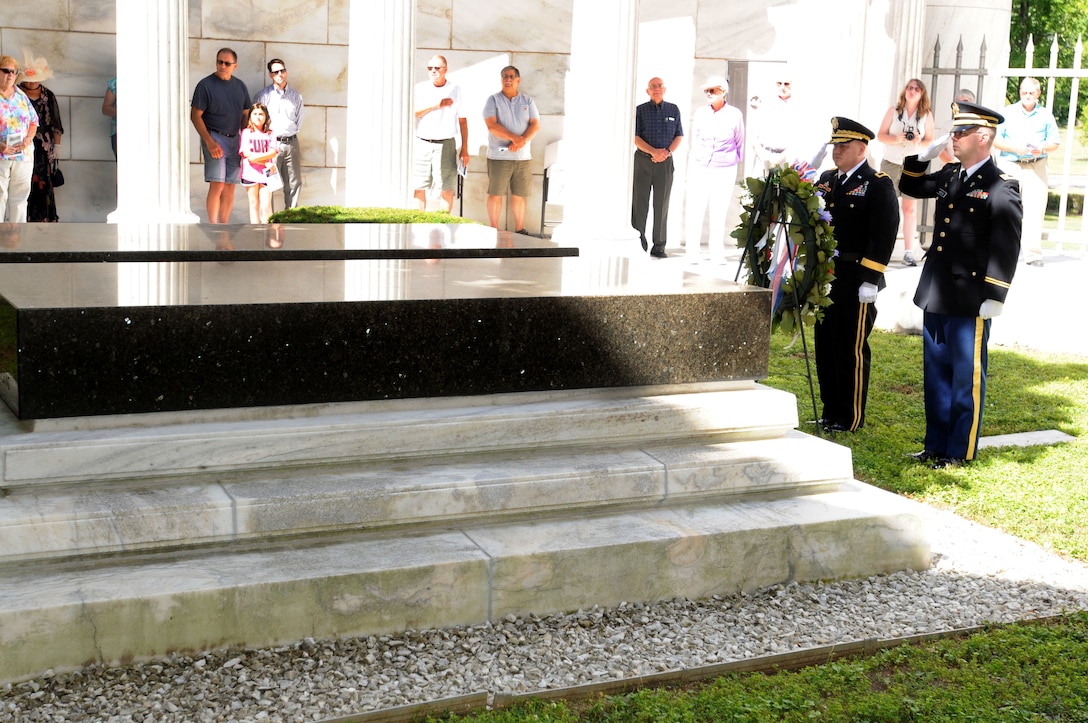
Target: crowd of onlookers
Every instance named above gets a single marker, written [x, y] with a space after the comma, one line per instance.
[31, 132]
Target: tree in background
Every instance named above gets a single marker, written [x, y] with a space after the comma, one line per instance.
[1042, 20]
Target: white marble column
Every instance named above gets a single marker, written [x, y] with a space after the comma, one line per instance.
[599, 125]
[908, 31]
[153, 118]
[155, 283]
[381, 52]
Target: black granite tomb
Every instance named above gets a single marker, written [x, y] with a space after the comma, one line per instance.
[82, 339]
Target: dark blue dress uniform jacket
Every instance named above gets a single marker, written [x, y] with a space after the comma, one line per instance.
[976, 236]
[865, 214]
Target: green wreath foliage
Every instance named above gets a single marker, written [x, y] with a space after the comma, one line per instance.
[784, 198]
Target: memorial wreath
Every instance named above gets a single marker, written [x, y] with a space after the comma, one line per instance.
[784, 219]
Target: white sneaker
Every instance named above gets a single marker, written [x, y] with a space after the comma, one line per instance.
[908, 259]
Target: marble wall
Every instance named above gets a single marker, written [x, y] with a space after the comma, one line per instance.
[841, 55]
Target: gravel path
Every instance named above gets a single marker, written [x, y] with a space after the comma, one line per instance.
[978, 575]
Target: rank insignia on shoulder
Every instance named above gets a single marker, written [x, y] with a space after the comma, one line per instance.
[882, 174]
[1007, 177]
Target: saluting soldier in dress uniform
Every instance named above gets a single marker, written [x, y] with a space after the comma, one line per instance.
[967, 273]
[865, 214]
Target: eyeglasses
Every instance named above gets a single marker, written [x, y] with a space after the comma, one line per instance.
[281, 71]
[9, 71]
[965, 131]
[225, 62]
[914, 89]
[713, 91]
[509, 77]
[436, 67]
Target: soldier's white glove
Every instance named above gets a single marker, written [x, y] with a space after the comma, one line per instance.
[935, 148]
[867, 293]
[990, 308]
[819, 157]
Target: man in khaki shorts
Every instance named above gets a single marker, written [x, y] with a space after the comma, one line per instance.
[439, 118]
[512, 121]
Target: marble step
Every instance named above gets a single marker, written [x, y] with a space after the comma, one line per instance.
[61, 615]
[156, 446]
[55, 521]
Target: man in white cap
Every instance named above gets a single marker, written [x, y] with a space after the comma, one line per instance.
[717, 147]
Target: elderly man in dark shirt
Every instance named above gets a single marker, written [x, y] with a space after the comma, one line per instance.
[658, 133]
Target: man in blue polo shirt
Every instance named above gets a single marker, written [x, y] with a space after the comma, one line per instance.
[658, 133]
[512, 120]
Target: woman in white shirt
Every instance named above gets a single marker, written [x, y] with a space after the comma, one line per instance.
[907, 129]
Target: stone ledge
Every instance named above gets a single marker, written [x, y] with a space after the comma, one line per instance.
[180, 445]
[64, 618]
[100, 518]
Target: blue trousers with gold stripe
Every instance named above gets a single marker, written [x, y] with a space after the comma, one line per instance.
[955, 358]
[843, 357]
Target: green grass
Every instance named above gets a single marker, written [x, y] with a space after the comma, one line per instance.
[1023, 672]
[341, 214]
[1036, 493]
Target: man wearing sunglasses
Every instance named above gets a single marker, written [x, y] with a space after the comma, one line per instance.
[777, 126]
[967, 273]
[220, 111]
[717, 148]
[284, 105]
[439, 118]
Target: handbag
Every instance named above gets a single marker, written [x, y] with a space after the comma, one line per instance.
[57, 175]
[272, 180]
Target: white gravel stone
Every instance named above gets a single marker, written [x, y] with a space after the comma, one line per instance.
[978, 575]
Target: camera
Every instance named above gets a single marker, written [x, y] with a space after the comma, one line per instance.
[909, 135]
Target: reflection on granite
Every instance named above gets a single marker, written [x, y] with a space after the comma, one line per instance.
[96, 243]
[116, 338]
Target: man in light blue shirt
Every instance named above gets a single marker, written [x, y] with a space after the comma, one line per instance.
[285, 106]
[512, 120]
[1027, 136]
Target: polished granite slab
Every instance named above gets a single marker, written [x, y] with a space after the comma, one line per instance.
[81, 339]
[97, 243]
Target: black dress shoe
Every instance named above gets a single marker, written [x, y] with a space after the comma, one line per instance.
[835, 427]
[924, 456]
[658, 253]
[946, 462]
